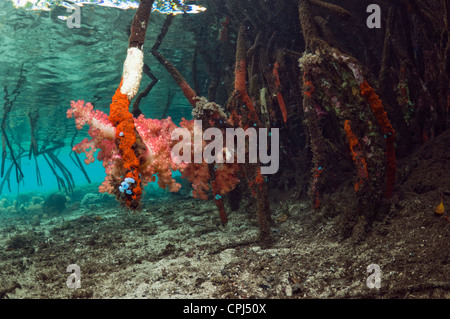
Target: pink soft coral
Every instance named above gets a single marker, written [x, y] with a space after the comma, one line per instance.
[156, 145]
[156, 135]
[101, 131]
[97, 120]
[227, 177]
[198, 174]
[103, 136]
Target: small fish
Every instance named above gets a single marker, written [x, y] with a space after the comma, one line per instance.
[440, 209]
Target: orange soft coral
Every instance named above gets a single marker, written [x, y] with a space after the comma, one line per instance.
[388, 131]
[358, 157]
[377, 107]
[240, 86]
[278, 87]
[308, 87]
[122, 119]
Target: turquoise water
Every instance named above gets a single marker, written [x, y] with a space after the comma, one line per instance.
[29, 184]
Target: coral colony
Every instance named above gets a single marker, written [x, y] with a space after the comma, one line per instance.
[164, 153]
[135, 150]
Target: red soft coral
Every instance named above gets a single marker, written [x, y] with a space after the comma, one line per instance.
[156, 135]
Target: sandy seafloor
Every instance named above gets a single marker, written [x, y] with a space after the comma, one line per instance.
[176, 247]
